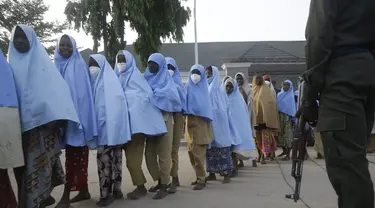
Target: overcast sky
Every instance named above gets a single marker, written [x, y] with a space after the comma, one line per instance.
[223, 20]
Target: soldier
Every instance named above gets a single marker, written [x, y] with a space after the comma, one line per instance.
[340, 41]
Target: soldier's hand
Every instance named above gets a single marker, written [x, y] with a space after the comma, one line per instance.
[310, 113]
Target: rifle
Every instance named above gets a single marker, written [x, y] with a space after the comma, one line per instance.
[299, 143]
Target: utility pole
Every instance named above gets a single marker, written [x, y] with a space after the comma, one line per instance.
[195, 33]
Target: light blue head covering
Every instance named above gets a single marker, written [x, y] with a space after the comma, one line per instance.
[177, 80]
[110, 106]
[43, 94]
[285, 100]
[197, 100]
[144, 116]
[239, 122]
[8, 94]
[219, 100]
[165, 95]
[75, 72]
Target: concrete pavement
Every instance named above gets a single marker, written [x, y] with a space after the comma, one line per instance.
[261, 187]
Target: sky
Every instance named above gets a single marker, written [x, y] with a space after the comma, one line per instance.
[223, 20]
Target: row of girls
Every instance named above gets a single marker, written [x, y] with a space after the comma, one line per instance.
[68, 104]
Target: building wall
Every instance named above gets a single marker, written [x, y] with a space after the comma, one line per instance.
[232, 72]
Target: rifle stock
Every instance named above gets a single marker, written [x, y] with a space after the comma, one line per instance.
[299, 144]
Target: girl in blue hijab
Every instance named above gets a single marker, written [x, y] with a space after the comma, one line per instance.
[74, 70]
[166, 98]
[219, 158]
[146, 120]
[178, 118]
[241, 131]
[287, 109]
[199, 113]
[113, 124]
[46, 107]
[10, 133]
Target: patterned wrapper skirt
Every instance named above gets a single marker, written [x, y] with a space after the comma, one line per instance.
[77, 159]
[7, 198]
[219, 160]
[285, 138]
[43, 169]
[109, 161]
[266, 141]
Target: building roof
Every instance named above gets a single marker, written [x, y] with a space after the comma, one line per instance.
[217, 53]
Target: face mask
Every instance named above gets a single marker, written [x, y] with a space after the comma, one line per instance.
[121, 67]
[94, 71]
[195, 78]
[171, 72]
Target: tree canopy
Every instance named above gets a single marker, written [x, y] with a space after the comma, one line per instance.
[154, 21]
[29, 12]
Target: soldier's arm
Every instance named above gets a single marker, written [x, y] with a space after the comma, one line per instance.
[319, 31]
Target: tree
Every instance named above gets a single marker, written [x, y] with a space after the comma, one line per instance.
[154, 21]
[29, 12]
[102, 20]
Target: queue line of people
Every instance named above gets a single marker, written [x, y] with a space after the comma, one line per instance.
[78, 107]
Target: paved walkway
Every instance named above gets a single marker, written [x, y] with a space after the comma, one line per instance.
[261, 187]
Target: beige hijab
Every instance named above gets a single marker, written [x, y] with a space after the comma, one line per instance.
[265, 108]
[246, 87]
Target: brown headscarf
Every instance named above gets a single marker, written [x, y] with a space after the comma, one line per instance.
[265, 108]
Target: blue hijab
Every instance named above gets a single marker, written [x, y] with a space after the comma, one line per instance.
[43, 94]
[220, 108]
[285, 100]
[165, 94]
[239, 122]
[110, 106]
[177, 80]
[8, 94]
[75, 72]
[144, 116]
[197, 98]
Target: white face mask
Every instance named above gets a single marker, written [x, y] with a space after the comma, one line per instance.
[171, 72]
[121, 67]
[94, 71]
[195, 78]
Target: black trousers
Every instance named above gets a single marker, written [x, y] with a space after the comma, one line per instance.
[346, 117]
